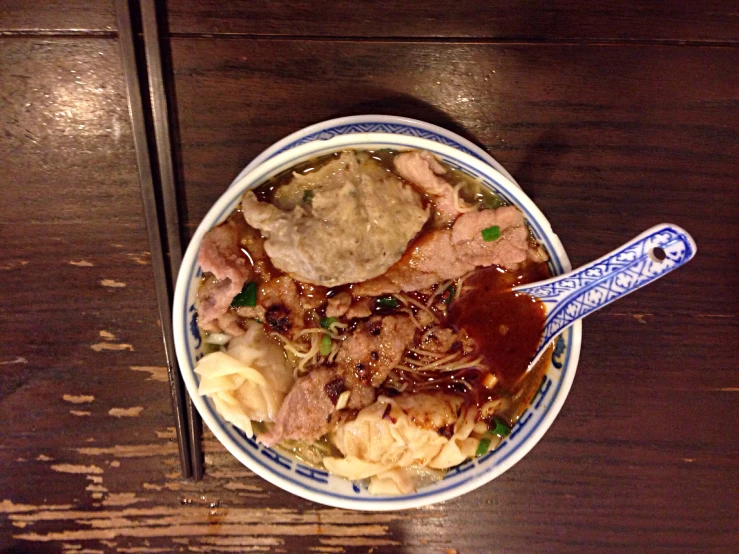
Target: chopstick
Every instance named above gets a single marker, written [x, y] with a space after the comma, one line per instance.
[187, 422]
[163, 138]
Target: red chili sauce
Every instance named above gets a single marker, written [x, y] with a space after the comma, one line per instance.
[506, 325]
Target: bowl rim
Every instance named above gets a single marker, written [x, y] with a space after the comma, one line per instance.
[313, 131]
[262, 173]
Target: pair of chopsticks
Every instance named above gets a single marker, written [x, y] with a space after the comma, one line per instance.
[147, 103]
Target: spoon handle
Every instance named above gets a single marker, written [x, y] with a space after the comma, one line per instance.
[572, 296]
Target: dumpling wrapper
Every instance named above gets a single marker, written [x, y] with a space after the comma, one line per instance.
[249, 381]
[356, 221]
[374, 447]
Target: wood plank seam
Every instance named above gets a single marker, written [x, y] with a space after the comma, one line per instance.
[461, 40]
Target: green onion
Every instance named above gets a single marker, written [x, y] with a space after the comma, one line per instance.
[483, 447]
[247, 296]
[499, 427]
[307, 196]
[452, 290]
[327, 322]
[387, 302]
[491, 233]
[325, 345]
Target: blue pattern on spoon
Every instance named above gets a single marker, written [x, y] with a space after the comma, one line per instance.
[572, 296]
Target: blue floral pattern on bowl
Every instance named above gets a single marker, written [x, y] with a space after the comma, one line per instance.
[299, 477]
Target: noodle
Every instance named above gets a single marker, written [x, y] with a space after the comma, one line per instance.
[426, 353]
[314, 349]
[412, 316]
[407, 300]
[439, 290]
[461, 207]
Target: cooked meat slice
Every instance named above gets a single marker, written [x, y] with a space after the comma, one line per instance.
[445, 340]
[423, 170]
[449, 254]
[375, 347]
[508, 251]
[312, 296]
[253, 243]
[426, 263]
[339, 304]
[305, 413]
[214, 298]
[230, 323]
[361, 307]
[283, 311]
[251, 312]
[357, 223]
[221, 254]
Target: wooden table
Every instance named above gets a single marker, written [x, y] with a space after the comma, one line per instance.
[613, 116]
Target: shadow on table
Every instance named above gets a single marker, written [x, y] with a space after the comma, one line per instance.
[403, 105]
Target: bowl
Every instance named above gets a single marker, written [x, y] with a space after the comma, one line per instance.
[317, 485]
[373, 123]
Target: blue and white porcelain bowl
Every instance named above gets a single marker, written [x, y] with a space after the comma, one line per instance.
[375, 123]
[307, 482]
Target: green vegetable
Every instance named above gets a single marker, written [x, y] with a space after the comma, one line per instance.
[325, 345]
[247, 296]
[327, 322]
[387, 302]
[483, 447]
[307, 196]
[491, 233]
[452, 290]
[498, 426]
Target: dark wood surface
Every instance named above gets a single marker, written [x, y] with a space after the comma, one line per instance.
[607, 138]
[76, 17]
[540, 20]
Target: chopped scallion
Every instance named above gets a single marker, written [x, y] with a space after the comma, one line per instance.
[483, 447]
[307, 196]
[499, 427]
[450, 292]
[491, 233]
[387, 302]
[327, 322]
[247, 296]
[325, 345]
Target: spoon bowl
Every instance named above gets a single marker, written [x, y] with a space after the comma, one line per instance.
[572, 296]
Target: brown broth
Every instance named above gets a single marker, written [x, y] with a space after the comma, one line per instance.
[506, 325]
[472, 191]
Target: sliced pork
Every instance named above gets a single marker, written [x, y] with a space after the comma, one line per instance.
[281, 301]
[375, 347]
[424, 171]
[222, 256]
[365, 359]
[451, 253]
[305, 413]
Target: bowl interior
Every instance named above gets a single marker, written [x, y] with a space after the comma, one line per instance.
[317, 485]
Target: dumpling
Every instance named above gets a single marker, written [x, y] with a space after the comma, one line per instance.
[249, 381]
[399, 433]
[355, 222]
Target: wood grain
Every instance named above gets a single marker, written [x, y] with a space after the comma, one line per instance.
[608, 140]
[57, 16]
[605, 152]
[716, 20]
